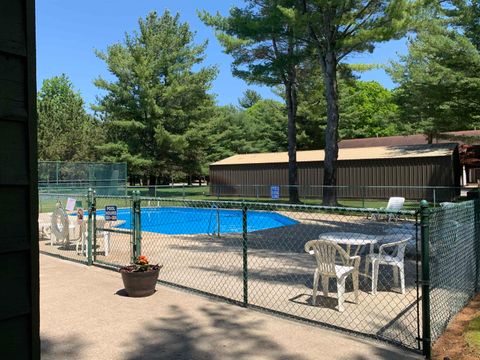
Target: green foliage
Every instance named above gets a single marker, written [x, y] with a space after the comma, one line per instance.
[268, 121]
[266, 50]
[439, 82]
[260, 39]
[464, 14]
[336, 29]
[230, 131]
[160, 91]
[65, 131]
[472, 334]
[249, 98]
[346, 26]
[366, 109]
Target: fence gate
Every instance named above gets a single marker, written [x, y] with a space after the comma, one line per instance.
[116, 230]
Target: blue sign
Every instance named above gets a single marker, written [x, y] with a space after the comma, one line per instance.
[111, 213]
[275, 192]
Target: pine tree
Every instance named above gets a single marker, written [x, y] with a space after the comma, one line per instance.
[159, 92]
[266, 50]
[335, 30]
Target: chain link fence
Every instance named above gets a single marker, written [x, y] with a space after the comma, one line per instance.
[454, 261]
[62, 232]
[254, 254]
[350, 196]
[354, 195]
[112, 243]
[396, 276]
[76, 177]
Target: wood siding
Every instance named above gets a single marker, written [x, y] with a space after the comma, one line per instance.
[356, 178]
[19, 303]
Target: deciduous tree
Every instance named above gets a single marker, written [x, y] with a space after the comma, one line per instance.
[65, 131]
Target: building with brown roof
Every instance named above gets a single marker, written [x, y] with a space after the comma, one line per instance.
[371, 172]
[460, 137]
[468, 140]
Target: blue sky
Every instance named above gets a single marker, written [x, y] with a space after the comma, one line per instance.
[69, 31]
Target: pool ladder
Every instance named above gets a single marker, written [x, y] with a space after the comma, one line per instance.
[213, 233]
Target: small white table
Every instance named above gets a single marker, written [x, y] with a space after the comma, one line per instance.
[349, 239]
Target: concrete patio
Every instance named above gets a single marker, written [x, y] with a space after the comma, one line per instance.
[84, 315]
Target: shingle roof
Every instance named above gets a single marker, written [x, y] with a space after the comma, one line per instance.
[378, 152]
[403, 140]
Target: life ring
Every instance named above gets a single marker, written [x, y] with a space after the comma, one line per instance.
[60, 224]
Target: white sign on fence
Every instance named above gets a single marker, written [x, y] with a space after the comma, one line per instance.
[70, 204]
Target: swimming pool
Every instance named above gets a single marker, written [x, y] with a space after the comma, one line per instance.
[171, 220]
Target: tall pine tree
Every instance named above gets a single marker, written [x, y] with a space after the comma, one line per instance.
[337, 29]
[160, 90]
[266, 50]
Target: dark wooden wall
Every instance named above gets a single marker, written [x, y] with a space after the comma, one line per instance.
[356, 178]
[19, 280]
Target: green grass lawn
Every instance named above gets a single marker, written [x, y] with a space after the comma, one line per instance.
[472, 334]
[48, 203]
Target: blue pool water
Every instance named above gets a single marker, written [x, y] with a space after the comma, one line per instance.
[170, 220]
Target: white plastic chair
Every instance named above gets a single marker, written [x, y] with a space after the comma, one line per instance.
[391, 254]
[447, 204]
[327, 254]
[82, 241]
[395, 204]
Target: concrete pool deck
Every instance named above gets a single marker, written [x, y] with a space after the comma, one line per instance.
[280, 273]
[84, 316]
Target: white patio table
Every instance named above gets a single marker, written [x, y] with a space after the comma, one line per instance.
[352, 239]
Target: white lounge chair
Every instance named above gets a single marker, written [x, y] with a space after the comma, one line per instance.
[391, 254]
[44, 226]
[395, 204]
[326, 254]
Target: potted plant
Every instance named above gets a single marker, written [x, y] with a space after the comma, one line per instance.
[140, 278]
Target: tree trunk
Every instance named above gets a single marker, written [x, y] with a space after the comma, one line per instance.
[430, 138]
[329, 63]
[152, 180]
[291, 96]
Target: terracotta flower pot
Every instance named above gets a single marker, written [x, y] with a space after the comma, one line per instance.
[140, 284]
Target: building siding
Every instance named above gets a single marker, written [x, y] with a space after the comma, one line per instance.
[356, 178]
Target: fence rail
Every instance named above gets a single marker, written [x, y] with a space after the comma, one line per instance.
[269, 256]
[353, 195]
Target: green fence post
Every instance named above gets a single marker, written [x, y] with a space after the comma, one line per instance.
[244, 254]
[425, 281]
[137, 230]
[94, 234]
[139, 225]
[90, 226]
